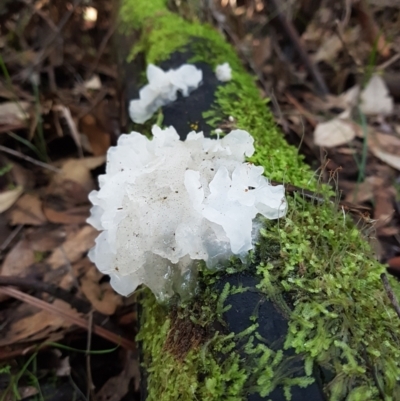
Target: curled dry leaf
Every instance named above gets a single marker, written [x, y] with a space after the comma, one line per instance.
[375, 98]
[27, 391]
[75, 171]
[103, 298]
[388, 158]
[94, 83]
[8, 198]
[64, 367]
[66, 200]
[364, 191]
[350, 98]
[384, 209]
[73, 248]
[18, 260]
[14, 113]
[70, 215]
[21, 176]
[97, 139]
[28, 210]
[34, 326]
[333, 133]
[386, 148]
[46, 238]
[329, 49]
[117, 387]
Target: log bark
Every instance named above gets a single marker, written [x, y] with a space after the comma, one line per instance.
[307, 318]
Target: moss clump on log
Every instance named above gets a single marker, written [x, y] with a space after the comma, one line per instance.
[314, 266]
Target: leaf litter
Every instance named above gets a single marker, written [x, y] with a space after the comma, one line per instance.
[54, 133]
[55, 130]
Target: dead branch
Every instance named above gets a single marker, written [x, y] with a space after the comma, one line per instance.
[292, 34]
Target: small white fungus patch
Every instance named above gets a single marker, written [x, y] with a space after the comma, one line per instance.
[162, 89]
[223, 72]
[164, 203]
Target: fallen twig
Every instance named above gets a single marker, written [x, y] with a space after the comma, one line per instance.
[291, 32]
[102, 47]
[60, 293]
[69, 316]
[371, 28]
[90, 385]
[12, 235]
[308, 116]
[29, 159]
[44, 52]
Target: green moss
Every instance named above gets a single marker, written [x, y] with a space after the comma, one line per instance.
[341, 318]
[176, 376]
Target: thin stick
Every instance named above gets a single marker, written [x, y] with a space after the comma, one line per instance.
[43, 53]
[8, 240]
[294, 37]
[389, 62]
[69, 316]
[90, 385]
[102, 47]
[31, 284]
[390, 294]
[29, 159]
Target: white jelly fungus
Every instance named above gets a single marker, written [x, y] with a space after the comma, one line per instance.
[223, 72]
[164, 204]
[162, 89]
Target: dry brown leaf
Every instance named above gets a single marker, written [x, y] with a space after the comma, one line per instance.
[64, 367]
[75, 181]
[46, 238]
[329, 49]
[388, 143]
[350, 98]
[33, 326]
[261, 51]
[370, 28]
[128, 319]
[94, 83]
[8, 198]
[383, 210]
[74, 215]
[389, 231]
[333, 133]
[103, 298]
[72, 250]
[27, 391]
[386, 148]
[117, 387]
[22, 176]
[390, 159]
[28, 210]
[98, 138]
[76, 171]
[14, 113]
[364, 191]
[346, 151]
[375, 98]
[394, 263]
[18, 260]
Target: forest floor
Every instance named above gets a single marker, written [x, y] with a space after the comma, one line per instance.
[332, 73]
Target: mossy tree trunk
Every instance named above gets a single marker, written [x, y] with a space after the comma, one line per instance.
[307, 318]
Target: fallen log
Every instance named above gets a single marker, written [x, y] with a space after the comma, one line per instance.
[307, 316]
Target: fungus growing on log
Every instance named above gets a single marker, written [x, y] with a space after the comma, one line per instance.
[164, 204]
[162, 89]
